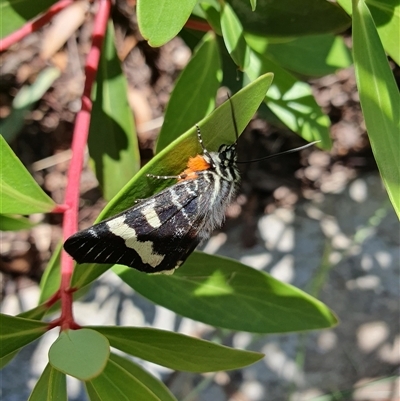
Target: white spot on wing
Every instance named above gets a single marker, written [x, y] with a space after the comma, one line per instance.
[143, 248]
[151, 216]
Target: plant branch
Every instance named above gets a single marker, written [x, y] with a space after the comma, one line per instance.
[32, 26]
[79, 141]
[198, 25]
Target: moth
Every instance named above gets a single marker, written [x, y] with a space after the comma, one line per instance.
[157, 234]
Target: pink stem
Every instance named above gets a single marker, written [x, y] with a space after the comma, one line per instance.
[79, 141]
[32, 26]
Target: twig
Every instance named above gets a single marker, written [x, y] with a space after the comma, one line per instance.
[79, 141]
[33, 26]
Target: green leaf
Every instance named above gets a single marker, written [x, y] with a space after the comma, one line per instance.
[20, 194]
[206, 287]
[116, 383]
[186, 107]
[112, 138]
[380, 100]
[80, 353]
[51, 279]
[176, 351]
[25, 100]
[307, 55]
[285, 18]
[292, 101]
[14, 13]
[35, 313]
[213, 17]
[15, 223]
[232, 31]
[253, 4]
[386, 15]
[15, 332]
[159, 22]
[51, 386]
[217, 128]
[148, 380]
[7, 359]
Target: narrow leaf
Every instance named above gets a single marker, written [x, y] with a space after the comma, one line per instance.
[187, 107]
[216, 129]
[112, 139]
[147, 379]
[379, 97]
[288, 18]
[15, 332]
[51, 279]
[20, 194]
[14, 223]
[7, 359]
[307, 55]
[51, 386]
[116, 383]
[292, 101]
[386, 15]
[232, 32]
[206, 287]
[173, 350]
[159, 21]
[80, 353]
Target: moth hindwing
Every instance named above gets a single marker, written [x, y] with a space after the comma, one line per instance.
[160, 232]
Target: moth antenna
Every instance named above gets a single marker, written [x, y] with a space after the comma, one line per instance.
[280, 153]
[233, 118]
[200, 139]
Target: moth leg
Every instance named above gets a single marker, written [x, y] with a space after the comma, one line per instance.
[167, 177]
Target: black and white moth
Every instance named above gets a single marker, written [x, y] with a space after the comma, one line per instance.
[160, 232]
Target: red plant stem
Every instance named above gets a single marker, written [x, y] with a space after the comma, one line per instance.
[32, 26]
[198, 25]
[79, 141]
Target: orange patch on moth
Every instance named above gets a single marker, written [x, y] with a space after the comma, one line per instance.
[194, 164]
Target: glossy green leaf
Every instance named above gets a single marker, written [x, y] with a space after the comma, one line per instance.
[216, 129]
[206, 287]
[25, 100]
[292, 101]
[285, 18]
[51, 386]
[176, 351]
[116, 383]
[379, 97]
[36, 313]
[51, 279]
[213, 17]
[80, 353]
[147, 379]
[15, 332]
[159, 22]
[112, 142]
[232, 31]
[7, 359]
[187, 107]
[14, 13]
[14, 223]
[20, 194]
[386, 15]
[307, 55]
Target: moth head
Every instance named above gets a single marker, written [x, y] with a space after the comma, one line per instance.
[227, 155]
